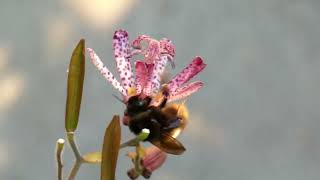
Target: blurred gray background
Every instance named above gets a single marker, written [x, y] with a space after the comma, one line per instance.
[256, 118]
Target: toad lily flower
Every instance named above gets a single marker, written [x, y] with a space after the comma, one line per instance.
[146, 82]
[148, 72]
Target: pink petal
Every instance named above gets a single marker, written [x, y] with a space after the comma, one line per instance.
[147, 90]
[186, 74]
[105, 72]
[137, 42]
[167, 47]
[153, 51]
[153, 77]
[122, 57]
[157, 72]
[141, 76]
[185, 91]
[150, 50]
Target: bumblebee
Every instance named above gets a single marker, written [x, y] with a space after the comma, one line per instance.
[165, 122]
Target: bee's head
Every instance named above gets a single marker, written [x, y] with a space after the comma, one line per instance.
[136, 104]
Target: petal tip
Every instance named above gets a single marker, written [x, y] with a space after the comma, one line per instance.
[199, 61]
[120, 33]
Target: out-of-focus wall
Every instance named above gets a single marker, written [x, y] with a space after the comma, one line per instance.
[256, 118]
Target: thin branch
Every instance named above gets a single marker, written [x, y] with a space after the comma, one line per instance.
[79, 159]
[132, 142]
[59, 150]
[73, 145]
[143, 135]
[74, 170]
[137, 160]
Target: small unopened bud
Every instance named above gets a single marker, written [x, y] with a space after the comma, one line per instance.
[132, 174]
[146, 173]
[60, 145]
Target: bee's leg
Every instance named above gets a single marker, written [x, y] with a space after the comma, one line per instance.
[157, 114]
[163, 103]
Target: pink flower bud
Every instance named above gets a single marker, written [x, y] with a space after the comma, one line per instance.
[153, 159]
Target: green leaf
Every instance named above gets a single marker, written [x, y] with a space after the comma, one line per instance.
[92, 157]
[75, 86]
[110, 150]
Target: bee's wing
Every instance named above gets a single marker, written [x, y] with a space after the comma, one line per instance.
[169, 144]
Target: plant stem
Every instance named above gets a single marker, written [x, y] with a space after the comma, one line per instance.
[143, 135]
[59, 149]
[59, 169]
[74, 170]
[137, 160]
[79, 159]
[131, 142]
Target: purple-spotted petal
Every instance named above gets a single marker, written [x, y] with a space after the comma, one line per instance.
[105, 72]
[185, 91]
[141, 76]
[153, 51]
[136, 43]
[167, 47]
[196, 66]
[122, 57]
[151, 83]
[157, 73]
[147, 90]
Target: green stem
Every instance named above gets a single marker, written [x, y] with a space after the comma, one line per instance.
[132, 142]
[143, 135]
[137, 160]
[59, 149]
[74, 170]
[79, 159]
[74, 147]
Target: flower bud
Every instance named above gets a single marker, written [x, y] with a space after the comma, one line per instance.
[153, 159]
[132, 174]
[146, 174]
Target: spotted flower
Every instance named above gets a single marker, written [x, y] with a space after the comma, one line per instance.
[143, 80]
[146, 80]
